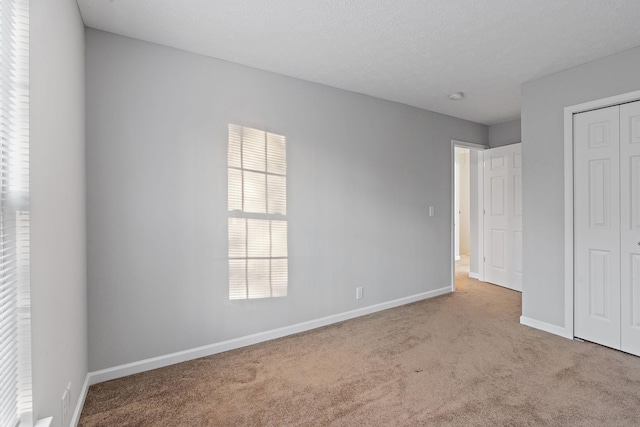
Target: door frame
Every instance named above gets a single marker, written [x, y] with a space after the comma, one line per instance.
[568, 331]
[478, 147]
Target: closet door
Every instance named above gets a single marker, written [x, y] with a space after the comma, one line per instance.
[597, 226]
[630, 225]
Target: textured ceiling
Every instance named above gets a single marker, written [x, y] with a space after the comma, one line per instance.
[411, 51]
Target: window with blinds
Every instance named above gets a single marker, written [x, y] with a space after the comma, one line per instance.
[15, 318]
[257, 200]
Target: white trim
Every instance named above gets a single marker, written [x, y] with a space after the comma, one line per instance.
[44, 422]
[80, 403]
[547, 327]
[568, 194]
[568, 221]
[480, 202]
[474, 276]
[480, 147]
[208, 350]
[472, 145]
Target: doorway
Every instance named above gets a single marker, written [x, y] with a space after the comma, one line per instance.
[486, 236]
[466, 205]
[462, 211]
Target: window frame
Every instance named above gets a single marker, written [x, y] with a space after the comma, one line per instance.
[15, 317]
[255, 217]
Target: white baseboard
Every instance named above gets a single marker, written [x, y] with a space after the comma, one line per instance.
[547, 327]
[207, 350]
[81, 398]
[44, 422]
[474, 275]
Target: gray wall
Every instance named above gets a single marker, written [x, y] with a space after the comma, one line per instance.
[543, 103]
[362, 173]
[505, 133]
[58, 233]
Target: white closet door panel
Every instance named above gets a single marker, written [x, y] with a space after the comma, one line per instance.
[503, 216]
[597, 226]
[630, 226]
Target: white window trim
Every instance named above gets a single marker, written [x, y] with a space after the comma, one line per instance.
[255, 216]
[15, 359]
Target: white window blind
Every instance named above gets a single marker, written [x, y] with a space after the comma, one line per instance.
[15, 318]
[257, 200]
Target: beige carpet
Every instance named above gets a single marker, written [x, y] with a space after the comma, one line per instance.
[459, 359]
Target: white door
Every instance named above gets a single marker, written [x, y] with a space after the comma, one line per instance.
[597, 226]
[456, 204]
[503, 216]
[630, 226]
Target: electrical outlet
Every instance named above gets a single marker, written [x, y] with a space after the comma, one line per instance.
[359, 292]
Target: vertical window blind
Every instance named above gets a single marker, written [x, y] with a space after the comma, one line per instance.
[257, 202]
[15, 318]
